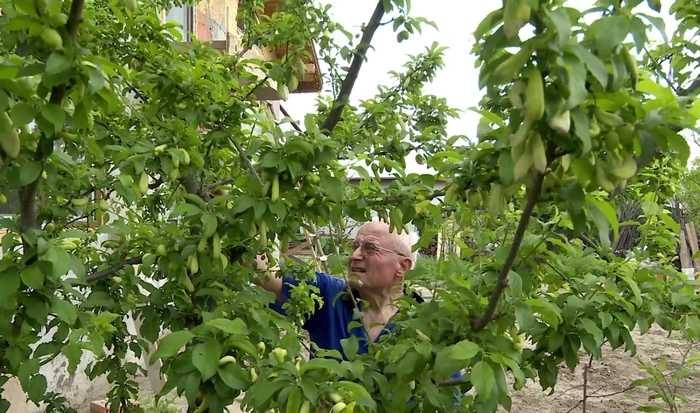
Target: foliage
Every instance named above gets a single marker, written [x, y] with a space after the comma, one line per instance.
[109, 118]
[689, 186]
[666, 382]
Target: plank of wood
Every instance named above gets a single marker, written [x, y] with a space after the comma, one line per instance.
[685, 254]
[693, 241]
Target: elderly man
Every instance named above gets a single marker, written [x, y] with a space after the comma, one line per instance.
[376, 270]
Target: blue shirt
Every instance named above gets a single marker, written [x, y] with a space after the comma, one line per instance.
[329, 324]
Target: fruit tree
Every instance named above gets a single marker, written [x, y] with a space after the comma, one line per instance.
[108, 117]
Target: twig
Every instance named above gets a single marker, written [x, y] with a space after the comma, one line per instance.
[349, 82]
[585, 383]
[111, 270]
[241, 152]
[600, 396]
[221, 182]
[479, 323]
[294, 124]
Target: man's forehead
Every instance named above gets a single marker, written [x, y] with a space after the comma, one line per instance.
[373, 230]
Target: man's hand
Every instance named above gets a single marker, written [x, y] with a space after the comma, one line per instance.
[262, 271]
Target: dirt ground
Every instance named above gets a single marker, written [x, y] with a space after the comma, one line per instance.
[612, 374]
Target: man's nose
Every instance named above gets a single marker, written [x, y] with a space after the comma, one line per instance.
[358, 252]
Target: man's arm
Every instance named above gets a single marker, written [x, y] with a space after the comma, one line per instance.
[274, 284]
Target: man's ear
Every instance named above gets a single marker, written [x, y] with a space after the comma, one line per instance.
[405, 264]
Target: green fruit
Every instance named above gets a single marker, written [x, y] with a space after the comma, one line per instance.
[507, 69]
[50, 227]
[261, 348]
[626, 169]
[339, 407]
[41, 6]
[160, 250]
[279, 354]
[194, 264]
[253, 375]
[185, 155]
[226, 360]
[539, 154]
[51, 38]
[609, 119]
[79, 201]
[60, 19]
[516, 93]
[275, 194]
[561, 122]
[186, 282]
[474, 199]
[534, 94]
[515, 16]
[9, 139]
[103, 205]
[215, 246]
[202, 245]
[160, 149]
[631, 66]
[612, 140]
[143, 183]
[627, 134]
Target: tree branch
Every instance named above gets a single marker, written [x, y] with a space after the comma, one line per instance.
[242, 153]
[112, 270]
[479, 323]
[28, 205]
[349, 82]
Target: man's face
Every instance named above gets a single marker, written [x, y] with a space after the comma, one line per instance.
[374, 261]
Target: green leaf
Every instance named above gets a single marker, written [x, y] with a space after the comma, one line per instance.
[37, 388]
[609, 32]
[58, 63]
[453, 358]
[234, 376]
[581, 125]
[593, 64]
[482, 378]
[33, 278]
[64, 310]
[54, 114]
[22, 113]
[603, 214]
[678, 143]
[659, 23]
[333, 187]
[350, 347]
[10, 286]
[562, 22]
[516, 283]
[205, 357]
[235, 326]
[361, 394]
[592, 328]
[464, 350]
[209, 223]
[524, 316]
[548, 312]
[243, 203]
[30, 172]
[171, 344]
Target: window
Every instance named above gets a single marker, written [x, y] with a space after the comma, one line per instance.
[184, 16]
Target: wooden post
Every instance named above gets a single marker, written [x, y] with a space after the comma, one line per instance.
[693, 241]
[685, 254]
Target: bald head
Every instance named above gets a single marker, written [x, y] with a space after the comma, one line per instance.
[402, 242]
